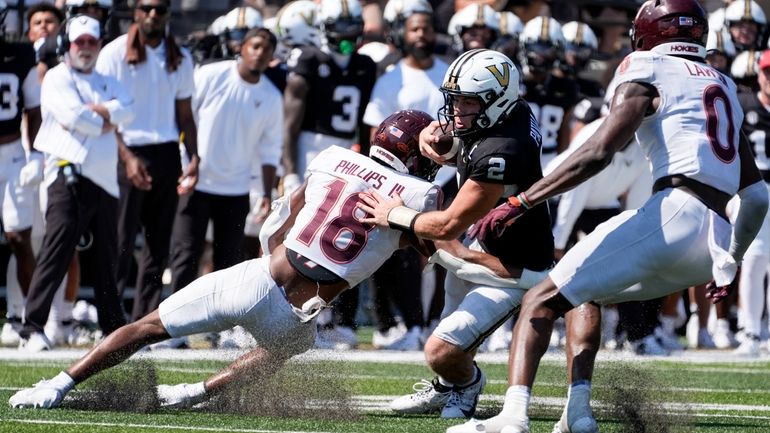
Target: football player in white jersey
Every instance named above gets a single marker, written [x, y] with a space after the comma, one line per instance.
[687, 118]
[316, 247]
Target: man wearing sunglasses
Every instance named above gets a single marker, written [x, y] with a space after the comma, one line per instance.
[81, 110]
[159, 76]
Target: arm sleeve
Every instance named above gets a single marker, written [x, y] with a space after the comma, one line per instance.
[121, 107]
[752, 211]
[31, 89]
[60, 98]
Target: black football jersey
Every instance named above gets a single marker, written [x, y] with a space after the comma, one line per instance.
[756, 125]
[336, 97]
[550, 101]
[509, 154]
[16, 60]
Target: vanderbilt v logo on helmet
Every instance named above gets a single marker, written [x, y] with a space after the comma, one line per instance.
[504, 77]
[487, 75]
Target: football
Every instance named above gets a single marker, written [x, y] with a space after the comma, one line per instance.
[447, 146]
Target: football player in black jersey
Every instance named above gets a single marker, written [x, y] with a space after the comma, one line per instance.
[551, 95]
[498, 156]
[19, 97]
[327, 89]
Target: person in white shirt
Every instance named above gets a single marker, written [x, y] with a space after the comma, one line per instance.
[81, 110]
[236, 111]
[159, 76]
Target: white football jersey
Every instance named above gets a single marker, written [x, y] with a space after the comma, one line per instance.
[328, 230]
[695, 130]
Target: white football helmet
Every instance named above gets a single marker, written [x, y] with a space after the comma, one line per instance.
[396, 13]
[509, 24]
[341, 24]
[542, 44]
[473, 15]
[745, 65]
[488, 75]
[581, 44]
[239, 21]
[746, 10]
[296, 24]
[77, 7]
[719, 41]
[717, 19]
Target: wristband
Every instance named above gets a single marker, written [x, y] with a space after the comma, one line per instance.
[520, 200]
[402, 218]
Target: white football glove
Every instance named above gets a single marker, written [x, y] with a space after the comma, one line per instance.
[183, 395]
[291, 183]
[32, 172]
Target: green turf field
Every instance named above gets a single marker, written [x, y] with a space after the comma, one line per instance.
[344, 393]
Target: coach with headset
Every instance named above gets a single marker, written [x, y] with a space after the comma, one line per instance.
[81, 110]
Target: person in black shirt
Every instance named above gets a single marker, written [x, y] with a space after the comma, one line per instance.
[498, 156]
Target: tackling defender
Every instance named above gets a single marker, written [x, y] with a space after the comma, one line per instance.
[327, 249]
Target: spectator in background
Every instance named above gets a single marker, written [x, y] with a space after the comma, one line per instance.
[44, 22]
[551, 95]
[81, 110]
[20, 173]
[412, 83]
[746, 22]
[159, 76]
[236, 111]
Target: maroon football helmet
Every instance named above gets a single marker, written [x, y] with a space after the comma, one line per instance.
[396, 143]
[662, 21]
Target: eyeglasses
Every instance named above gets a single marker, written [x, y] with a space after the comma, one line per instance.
[159, 9]
[86, 42]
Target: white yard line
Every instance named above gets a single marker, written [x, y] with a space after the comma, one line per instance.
[152, 426]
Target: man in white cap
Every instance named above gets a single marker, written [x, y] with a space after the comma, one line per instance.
[81, 110]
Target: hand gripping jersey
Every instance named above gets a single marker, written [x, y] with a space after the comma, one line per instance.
[17, 81]
[695, 130]
[509, 154]
[336, 97]
[756, 125]
[327, 229]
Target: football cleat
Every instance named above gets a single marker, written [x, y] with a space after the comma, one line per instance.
[46, 394]
[37, 342]
[462, 401]
[183, 395]
[430, 397]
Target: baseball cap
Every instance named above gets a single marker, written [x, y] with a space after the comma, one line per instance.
[82, 25]
[764, 60]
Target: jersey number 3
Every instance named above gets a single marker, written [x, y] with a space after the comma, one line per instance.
[9, 99]
[350, 99]
[726, 152]
[344, 237]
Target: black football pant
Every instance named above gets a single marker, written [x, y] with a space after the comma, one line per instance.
[228, 216]
[154, 212]
[73, 209]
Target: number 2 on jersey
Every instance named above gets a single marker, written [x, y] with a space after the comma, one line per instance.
[344, 237]
[726, 152]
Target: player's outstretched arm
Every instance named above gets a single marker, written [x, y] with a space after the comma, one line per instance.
[472, 201]
[632, 102]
